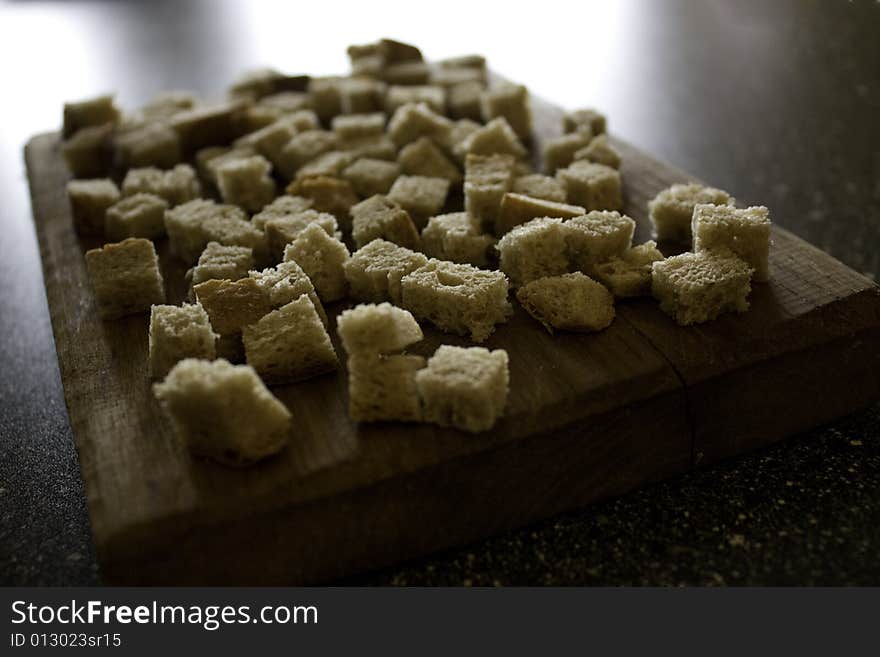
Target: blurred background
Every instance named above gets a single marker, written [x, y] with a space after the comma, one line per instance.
[776, 102]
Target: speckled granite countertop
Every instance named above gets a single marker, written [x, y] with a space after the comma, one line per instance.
[777, 102]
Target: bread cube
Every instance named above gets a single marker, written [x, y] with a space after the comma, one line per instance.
[352, 126]
[281, 231]
[374, 271]
[517, 209]
[214, 125]
[192, 225]
[423, 158]
[252, 85]
[326, 97]
[672, 209]
[125, 277]
[539, 186]
[464, 100]
[362, 95]
[331, 163]
[457, 237]
[150, 144]
[282, 206]
[451, 76]
[232, 305]
[328, 194]
[601, 151]
[176, 186]
[88, 153]
[594, 186]
[209, 158]
[89, 201]
[369, 176]
[745, 232]
[495, 137]
[394, 52]
[474, 62]
[372, 329]
[597, 236]
[461, 130]
[286, 282]
[378, 147]
[303, 148]
[534, 250]
[269, 142]
[223, 262]
[560, 151]
[487, 178]
[420, 196]
[398, 96]
[223, 411]
[510, 101]
[629, 274]
[166, 104]
[178, 332]
[287, 102]
[414, 120]
[457, 298]
[301, 120]
[588, 119]
[379, 217]
[465, 388]
[406, 73]
[289, 344]
[383, 388]
[322, 258]
[141, 215]
[570, 302]
[89, 113]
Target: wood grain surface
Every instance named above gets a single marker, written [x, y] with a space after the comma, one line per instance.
[589, 416]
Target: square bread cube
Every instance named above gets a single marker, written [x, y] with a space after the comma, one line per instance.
[672, 210]
[464, 100]
[287, 102]
[559, 152]
[374, 271]
[394, 52]
[166, 104]
[406, 73]
[88, 153]
[328, 194]
[177, 185]
[601, 151]
[423, 158]
[371, 329]
[223, 262]
[383, 388]
[378, 147]
[362, 95]
[745, 232]
[232, 305]
[125, 277]
[352, 126]
[449, 77]
[414, 120]
[597, 236]
[89, 201]
[192, 225]
[326, 97]
[246, 182]
[487, 178]
[571, 302]
[301, 120]
[629, 274]
[432, 96]
[209, 158]
[331, 163]
[594, 186]
[454, 144]
[457, 237]
[539, 186]
[380, 217]
[289, 344]
[178, 332]
[147, 145]
[302, 148]
[510, 101]
[465, 388]
[474, 62]
[534, 250]
[209, 125]
[268, 141]
[140, 215]
[495, 137]
[457, 298]
[286, 282]
[322, 258]
[206, 401]
[370, 176]
[282, 206]
[88, 113]
[281, 231]
[420, 196]
[697, 287]
[517, 209]
[581, 119]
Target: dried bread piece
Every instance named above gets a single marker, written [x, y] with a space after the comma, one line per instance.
[495, 137]
[326, 96]
[206, 401]
[423, 158]
[176, 186]
[140, 215]
[89, 201]
[406, 73]
[420, 196]
[286, 282]
[383, 388]
[596, 237]
[328, 194]
[414, 120]
[380, 217]
[464, 100]
[672, 210]
[594, 186]
[374, 271]
[219, 261]
[560, 151]
[289, 344]
[88, 153]
[91, 112]
[570, 302]
[369, 176]
[432, 96]
[146, 145]
[371, 329]
[465, 388]
[352, 126]
[457, 237]
[539, 186]
[534, 250]
[322, 258]
[210, 125]
[487, 179]
[510, 101]
[697, 287]
[125, 277]
[246, 182]
[283, 206]
[178, 332]
[455, 141]
[331, 163]
[378, 147]
[601, 151]
[457, 298]
[209, 158]
[282, 230]
[192, 225]
[581, 119]
[232, 305]
[745, 232]
[629, 274]
[362, 95]
[517, 209]
[302, 148]
[269, 141]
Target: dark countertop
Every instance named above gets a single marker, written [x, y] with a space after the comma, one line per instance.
[776, 102]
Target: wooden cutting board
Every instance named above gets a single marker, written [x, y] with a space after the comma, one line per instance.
[589, 416]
